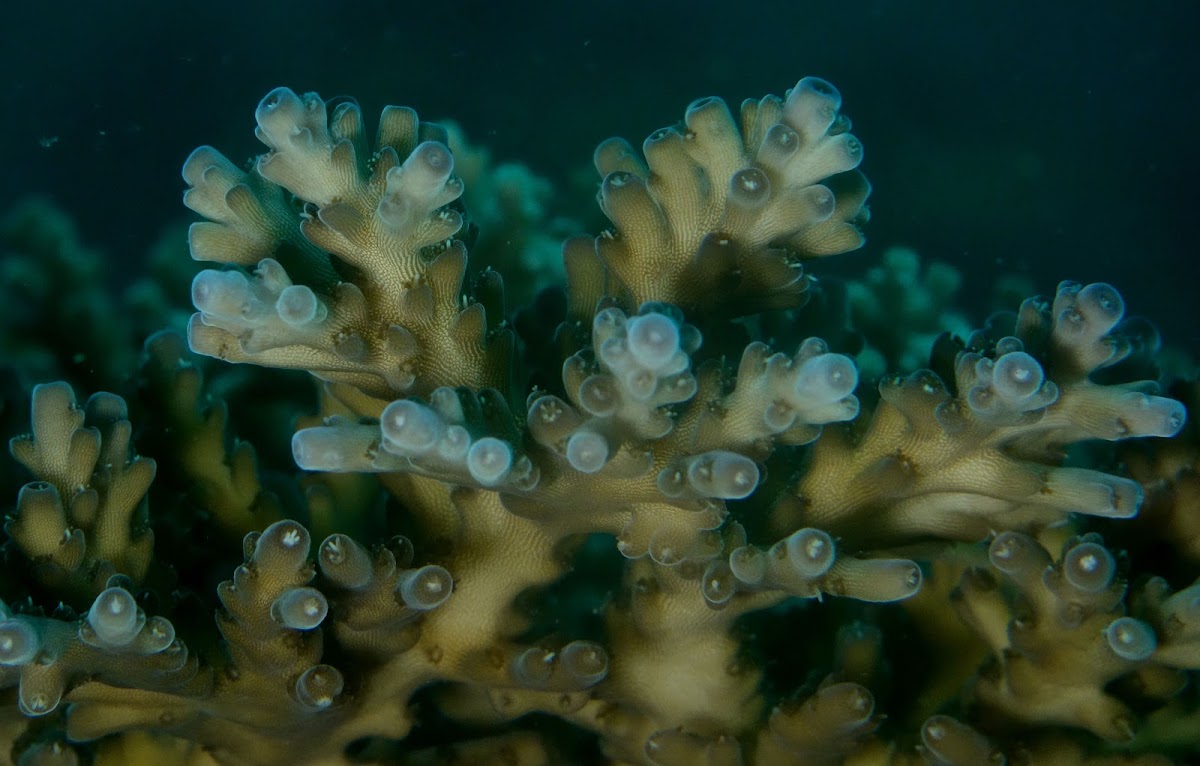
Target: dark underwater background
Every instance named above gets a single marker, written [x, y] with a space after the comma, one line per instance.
[1049, 140]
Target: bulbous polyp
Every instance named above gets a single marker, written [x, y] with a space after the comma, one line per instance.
[223, 294]
[1017, 376]
[300, 608]
[297, 306]
[282, 115]
[1088, 312]
[318, 687]
[615, 154]
[749, 188]
[628, 204]
[157, 636]
[778, 146]
[428, 167]
[718, 584]
[812, 106]
[19, 641]
[652, 340]
[39, 695]
[489, 460]
[948, 742]
[748, 564]
[344, 562]
[711, 123]
[425, 588]
[814, 204]
[282, 547]
[1140, 414]
[409, 427]
[1017, 554]
[721, 474]
[1131, 639]
[578, 665]
[811, 552]
[826, 378]
[1102, 304]
[1089, 567]
[587, 451]
[598, 395]
[114, 618]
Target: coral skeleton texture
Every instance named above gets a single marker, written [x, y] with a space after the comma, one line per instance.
[649, 518]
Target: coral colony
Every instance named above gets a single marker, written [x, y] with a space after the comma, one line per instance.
[652, 518]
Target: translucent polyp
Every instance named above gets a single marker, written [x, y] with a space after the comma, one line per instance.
[425, 588]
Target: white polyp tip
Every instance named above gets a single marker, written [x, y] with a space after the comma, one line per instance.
[613, 353]
[300, 608]
[811, 106]
[1005, 551]
[718, 583]
[284, 543]
[826, 378]
[220, 293]
[727, 475]
[19, 641]
[587, 451]
[652, 340]
[1154, 415]
[1089, 567]
[820, 87]
[750, 188]
[425, 588]
[319, 449]
[114, 617]
[297, 305]
[276, 100]
[598, 395]
[435, 159]
[1131, 639]
[157, 635]
[608, 321]
[811, 552]
[1102, 304]
[410, 427]
[1017, 376]
[489, 460]
[454, 444]
[318, 687]
[748, 564]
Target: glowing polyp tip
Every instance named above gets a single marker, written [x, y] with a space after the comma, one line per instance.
[425, 588]
[1017, 375]
[1131, 639]
[489, 460]
[410, 427]
[300, 608]
[811, 552]
[587, 451]
[19, 641]
[1089, 567]
[653, 339]
[114, 617]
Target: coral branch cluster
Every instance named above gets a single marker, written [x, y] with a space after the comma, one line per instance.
[641, 548]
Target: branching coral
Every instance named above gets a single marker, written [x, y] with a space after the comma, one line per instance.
[421, 585]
